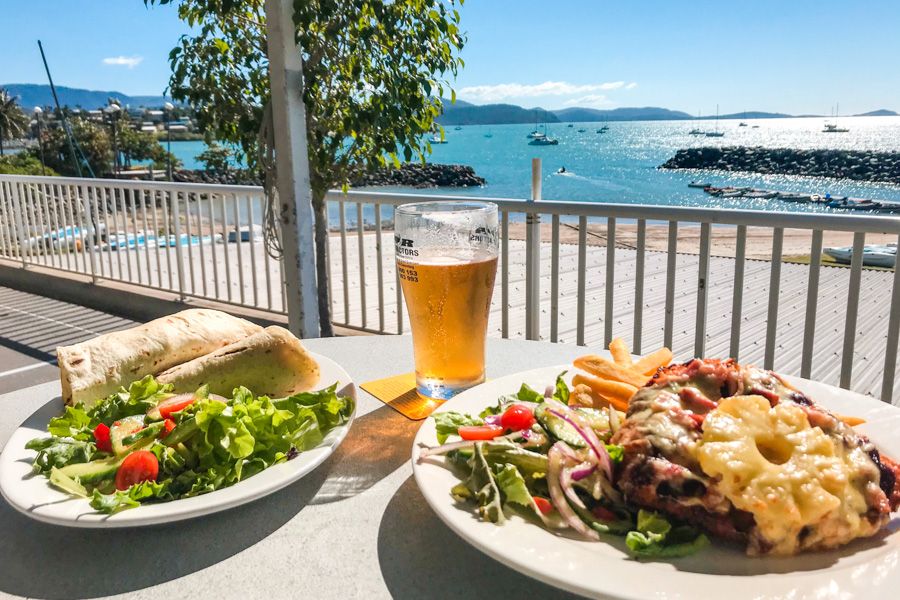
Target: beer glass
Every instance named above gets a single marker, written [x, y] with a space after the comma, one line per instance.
[447, 262]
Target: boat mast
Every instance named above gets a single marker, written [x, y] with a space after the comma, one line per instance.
[73, 146]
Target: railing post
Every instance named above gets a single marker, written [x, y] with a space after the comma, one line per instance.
[179, 251]
[90, 230]
[533, 259]
[17, 222]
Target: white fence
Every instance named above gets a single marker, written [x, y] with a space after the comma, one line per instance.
[839, 325]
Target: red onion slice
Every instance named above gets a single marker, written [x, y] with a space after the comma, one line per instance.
[563, 412]
[558, 497]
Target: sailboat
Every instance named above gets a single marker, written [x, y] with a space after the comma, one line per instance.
[833, 127]
[716, 133]
[542, 139]
[696, 131]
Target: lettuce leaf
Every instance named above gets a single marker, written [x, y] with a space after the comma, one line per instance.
[133, 496]
[448, 423]
[561, 390]
[140, 397]
[655, 537]
[59, 452]
[220, 444]
[512, 486]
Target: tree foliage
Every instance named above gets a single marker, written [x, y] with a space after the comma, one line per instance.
[13, 122]
[23, 163]
[374, 73]
[93, 139]
[216, 158]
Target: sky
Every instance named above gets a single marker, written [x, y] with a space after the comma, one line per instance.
[793, 56]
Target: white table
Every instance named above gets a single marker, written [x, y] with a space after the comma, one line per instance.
[356, 527]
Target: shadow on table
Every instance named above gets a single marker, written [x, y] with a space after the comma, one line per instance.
[49, 561]
[377, 445]
[421, 558]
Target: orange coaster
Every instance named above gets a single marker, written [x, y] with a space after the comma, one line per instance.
[399, 392]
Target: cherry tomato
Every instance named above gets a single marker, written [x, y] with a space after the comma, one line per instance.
[604, 514]
[168, 426]
[174, 404]
[101, 438]
[517, 418]
[480, 432]
[543, 505]
[137, 467]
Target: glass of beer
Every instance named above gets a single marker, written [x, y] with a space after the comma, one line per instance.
[447, 262]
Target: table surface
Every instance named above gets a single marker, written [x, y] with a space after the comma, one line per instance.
[355, 527]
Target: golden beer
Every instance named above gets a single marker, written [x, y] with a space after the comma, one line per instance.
[448, 301]
[447, 262]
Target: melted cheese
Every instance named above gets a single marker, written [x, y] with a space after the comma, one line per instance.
[804, 488]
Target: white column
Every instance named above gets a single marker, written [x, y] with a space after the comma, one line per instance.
[292, 163]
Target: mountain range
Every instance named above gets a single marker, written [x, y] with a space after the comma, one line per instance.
[32, 94]
[455, 113]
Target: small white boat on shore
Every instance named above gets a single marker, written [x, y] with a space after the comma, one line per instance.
[873, 256]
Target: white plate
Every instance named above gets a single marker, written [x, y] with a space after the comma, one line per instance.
[33, 495]
[865, 569]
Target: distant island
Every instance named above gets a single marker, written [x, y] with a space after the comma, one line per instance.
[461, 112]
[30, 95]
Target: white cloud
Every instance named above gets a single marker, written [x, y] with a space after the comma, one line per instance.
[502, 91]
[631, 85]
[589, 101]
[124, 61]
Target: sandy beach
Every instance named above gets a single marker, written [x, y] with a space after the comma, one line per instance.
[759, 239]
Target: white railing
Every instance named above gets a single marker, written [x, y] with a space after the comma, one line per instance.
[837, 325]
[195, 240]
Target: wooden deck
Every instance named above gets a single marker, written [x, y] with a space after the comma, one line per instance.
[871, 331]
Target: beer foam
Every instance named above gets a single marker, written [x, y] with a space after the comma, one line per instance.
[445, 258]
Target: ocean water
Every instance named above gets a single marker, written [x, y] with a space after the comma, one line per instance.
[621, 164]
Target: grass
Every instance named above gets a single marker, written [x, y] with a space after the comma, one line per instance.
[827, 261]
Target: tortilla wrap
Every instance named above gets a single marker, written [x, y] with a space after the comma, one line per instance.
[92, 370]
[271, 362]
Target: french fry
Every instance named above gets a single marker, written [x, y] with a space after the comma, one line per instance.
[851, 421]
[620, 352]
[606, 369]
[582, 395]
[650, 363]
[615, 393]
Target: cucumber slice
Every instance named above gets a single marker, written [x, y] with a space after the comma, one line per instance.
[121, 430]
[92, 472]
[182, 431]
[66, 483]
[558, 428]
[148, 432]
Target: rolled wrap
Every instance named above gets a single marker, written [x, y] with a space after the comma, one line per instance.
[271, 362]
[92, 370]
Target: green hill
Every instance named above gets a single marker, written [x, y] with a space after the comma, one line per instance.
[463, 113]
[32, 94]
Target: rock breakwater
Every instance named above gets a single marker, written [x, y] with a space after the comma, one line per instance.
[843, 164]
[408, 175]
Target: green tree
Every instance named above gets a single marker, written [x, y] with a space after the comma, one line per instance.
[374, 72]
[93, 139]
[13, 122]
[23, 163]
[141, 146]
[216, 158]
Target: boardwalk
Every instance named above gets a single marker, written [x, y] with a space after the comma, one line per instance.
[243, 274]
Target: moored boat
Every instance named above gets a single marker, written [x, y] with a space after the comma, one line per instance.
[873, 255]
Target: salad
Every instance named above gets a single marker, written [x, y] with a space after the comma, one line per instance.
[534, 455]
[146, 444]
